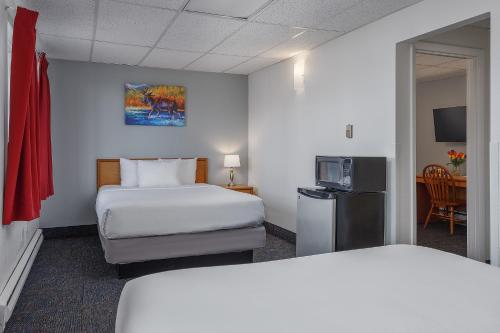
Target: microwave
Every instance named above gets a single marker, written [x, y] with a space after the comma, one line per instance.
[351, 174]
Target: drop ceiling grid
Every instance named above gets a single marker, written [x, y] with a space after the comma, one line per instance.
[389, 6]
[215, 63]
[66, 48]
[307, 14]
[96, 34]
[430, 67]
[185, 34]
[117, 25]
[214, 50]
[272, 53]
[162, 58]
[164, 4]
[71, 18]
[252, 65]
[250, 19]
[117, 53]
[239, 9]
[131, 24]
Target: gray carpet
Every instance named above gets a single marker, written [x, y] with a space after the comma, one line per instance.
[437, 236]
[72, 289]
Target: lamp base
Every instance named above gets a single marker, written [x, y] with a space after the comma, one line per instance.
[231, 177]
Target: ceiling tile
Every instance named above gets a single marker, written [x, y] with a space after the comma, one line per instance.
[303, 42]
[169, 4]
[438, 73]
[65, 48]
[365, 12]
[215, 63]
[169, 59]
[241, 9]
[130, 24]
[71, 18]
[196, 32]
[304, 13]
[432, 59]
[255, 38]
[118, 53]
[456, 64]
[252, 65]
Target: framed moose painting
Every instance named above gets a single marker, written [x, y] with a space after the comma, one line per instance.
[155, 105]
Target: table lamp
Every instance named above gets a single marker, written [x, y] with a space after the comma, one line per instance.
[231, 162]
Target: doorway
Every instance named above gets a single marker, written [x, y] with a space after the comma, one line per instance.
[441, 99]
[457, 46]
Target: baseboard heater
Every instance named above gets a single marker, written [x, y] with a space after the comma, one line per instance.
[12, 290]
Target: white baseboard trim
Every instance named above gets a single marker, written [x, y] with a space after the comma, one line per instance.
[12, 290]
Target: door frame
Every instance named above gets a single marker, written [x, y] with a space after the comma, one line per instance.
[477, 149]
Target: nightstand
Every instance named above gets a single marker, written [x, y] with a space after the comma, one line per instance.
[241, 188]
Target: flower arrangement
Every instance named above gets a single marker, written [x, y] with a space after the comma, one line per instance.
[456, 159]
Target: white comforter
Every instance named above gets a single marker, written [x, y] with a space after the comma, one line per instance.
[399, 289]
[138, 212]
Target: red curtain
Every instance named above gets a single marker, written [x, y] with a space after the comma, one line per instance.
[45, 145]
[22, 192]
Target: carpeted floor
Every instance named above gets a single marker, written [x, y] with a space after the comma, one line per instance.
[437, 236]
[72, 289]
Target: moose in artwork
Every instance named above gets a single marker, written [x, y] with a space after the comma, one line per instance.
[154, 105]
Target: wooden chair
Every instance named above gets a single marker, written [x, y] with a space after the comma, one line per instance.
[441, 187]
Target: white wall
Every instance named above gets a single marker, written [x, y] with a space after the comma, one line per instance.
[348, 80]
[15, 237]
[433, 95]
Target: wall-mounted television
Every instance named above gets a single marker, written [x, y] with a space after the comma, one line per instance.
[450, 124]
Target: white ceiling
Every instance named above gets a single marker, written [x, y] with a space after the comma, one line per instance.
[228, 36]
[431, 67]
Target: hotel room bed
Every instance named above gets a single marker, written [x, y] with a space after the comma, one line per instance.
[137, 224]
[140, 212]
[396, 288]
[141, 224]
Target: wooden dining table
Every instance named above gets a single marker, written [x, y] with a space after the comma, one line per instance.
[423, 198]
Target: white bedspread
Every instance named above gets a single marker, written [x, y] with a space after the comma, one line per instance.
[399, 289]
[137, 212]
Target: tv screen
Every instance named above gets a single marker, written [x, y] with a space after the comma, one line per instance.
[450, 124]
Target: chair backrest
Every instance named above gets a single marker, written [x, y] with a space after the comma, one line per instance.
[440, 184]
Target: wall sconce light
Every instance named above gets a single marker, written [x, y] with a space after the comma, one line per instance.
[298, 74]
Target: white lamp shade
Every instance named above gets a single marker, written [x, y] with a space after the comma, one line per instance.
[231, 161]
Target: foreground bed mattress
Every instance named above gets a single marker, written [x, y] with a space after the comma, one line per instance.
[142, 212]
[397, 288]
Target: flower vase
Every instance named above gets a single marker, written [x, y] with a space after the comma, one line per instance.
[455, 171]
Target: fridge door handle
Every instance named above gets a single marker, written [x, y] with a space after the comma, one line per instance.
[314, 194]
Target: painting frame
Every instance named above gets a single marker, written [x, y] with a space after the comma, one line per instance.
[155, 105]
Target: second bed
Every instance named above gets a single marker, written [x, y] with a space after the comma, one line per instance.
[142, 224]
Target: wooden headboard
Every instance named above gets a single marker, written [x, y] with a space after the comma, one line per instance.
[108, 170]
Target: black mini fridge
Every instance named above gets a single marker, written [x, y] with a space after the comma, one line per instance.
[336, 219]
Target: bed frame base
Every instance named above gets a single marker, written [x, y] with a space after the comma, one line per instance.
[137, 269]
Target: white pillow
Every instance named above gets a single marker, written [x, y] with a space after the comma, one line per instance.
[128, 172]
[158, 173]
[187, 170]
